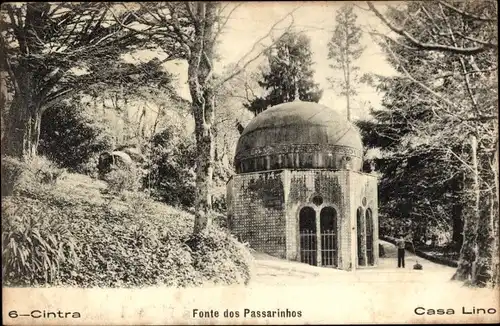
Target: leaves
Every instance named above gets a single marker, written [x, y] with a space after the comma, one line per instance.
[290, 73]
[345, 48]
[79, 238]
[429, 112]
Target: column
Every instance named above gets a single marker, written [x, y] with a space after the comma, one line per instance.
[318, 237]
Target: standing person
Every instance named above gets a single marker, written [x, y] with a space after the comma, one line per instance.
[400, 243]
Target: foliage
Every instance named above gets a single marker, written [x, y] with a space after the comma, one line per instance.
[344, 49]
[72, 137]
[128, 242]
[89, 167]
[122, 179]
[290, 73]
[12, 170]
[38, 169]
[171, 171]
[191, 30]
[58, 50]
[219, 257]
[36, 240]
[442, 102]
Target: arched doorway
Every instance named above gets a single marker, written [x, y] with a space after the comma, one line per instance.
[328, 226]
[360, 237]
[369, 237]
[307, 231]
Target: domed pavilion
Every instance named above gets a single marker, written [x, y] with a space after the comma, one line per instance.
[299, 192]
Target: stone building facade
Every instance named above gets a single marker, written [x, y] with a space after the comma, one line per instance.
[299, 193]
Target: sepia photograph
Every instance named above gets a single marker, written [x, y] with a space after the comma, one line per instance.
[234, 163]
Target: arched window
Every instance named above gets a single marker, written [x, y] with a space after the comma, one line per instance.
[307, 231]
[329, 246]
[360, 237]
[369, 237]
[307, 219]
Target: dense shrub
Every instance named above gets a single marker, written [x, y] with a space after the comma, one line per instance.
[171, 171]
[120, 180]
[36, 240]
[12, 170]
[118, 242]
[219, 258]
[33, 171]
[89, 167]
[71, 136]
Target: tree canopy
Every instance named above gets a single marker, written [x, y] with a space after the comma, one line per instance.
[290, 73]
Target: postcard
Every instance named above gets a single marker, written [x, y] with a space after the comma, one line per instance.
[201, 163]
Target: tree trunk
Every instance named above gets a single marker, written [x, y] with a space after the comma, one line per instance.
[468, 254]
[487, 239]
[4, 98]
[348, 78]
[496, 223]
[202, 92]
[23, 130]
[205, 146]
[458, 226]
[457, 216]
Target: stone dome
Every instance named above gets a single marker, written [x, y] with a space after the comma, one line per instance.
[299, 135]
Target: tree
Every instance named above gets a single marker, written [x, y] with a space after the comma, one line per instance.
[193, 29]
[290, 73]
[71, 136]
[452, 65]
[171, 167]
[50, 52]
[344, 49]
[420, 186]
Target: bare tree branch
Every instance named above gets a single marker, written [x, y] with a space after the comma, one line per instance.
[485, 46]
[223, 25]
[191, 13]
[462, 63]
[466, 14]
[245, 65]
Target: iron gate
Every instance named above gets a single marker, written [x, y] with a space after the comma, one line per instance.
[328, 248]
[308, 248]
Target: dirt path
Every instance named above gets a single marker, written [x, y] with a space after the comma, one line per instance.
[273, 271]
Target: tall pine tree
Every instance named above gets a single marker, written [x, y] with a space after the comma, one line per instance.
[290, 72]
[344, 49]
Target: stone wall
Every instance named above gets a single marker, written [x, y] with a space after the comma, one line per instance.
[256, 211]
[264, 207]
[331, 186]
[364, 196]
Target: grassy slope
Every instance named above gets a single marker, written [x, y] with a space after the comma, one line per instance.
[105, 240]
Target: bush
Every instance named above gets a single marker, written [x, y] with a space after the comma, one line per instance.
[12, 169]
[129, 243]
[220, 258]
[219, 219]
[172, 176]
[21, 174]
[121, 180]
[36, 239]
[71, 136]
[43, 171]
[90, 167]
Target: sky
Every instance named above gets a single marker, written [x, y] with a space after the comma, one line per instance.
[252, 20]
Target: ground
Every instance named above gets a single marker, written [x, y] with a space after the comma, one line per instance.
[273, 271]
[382, 294]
